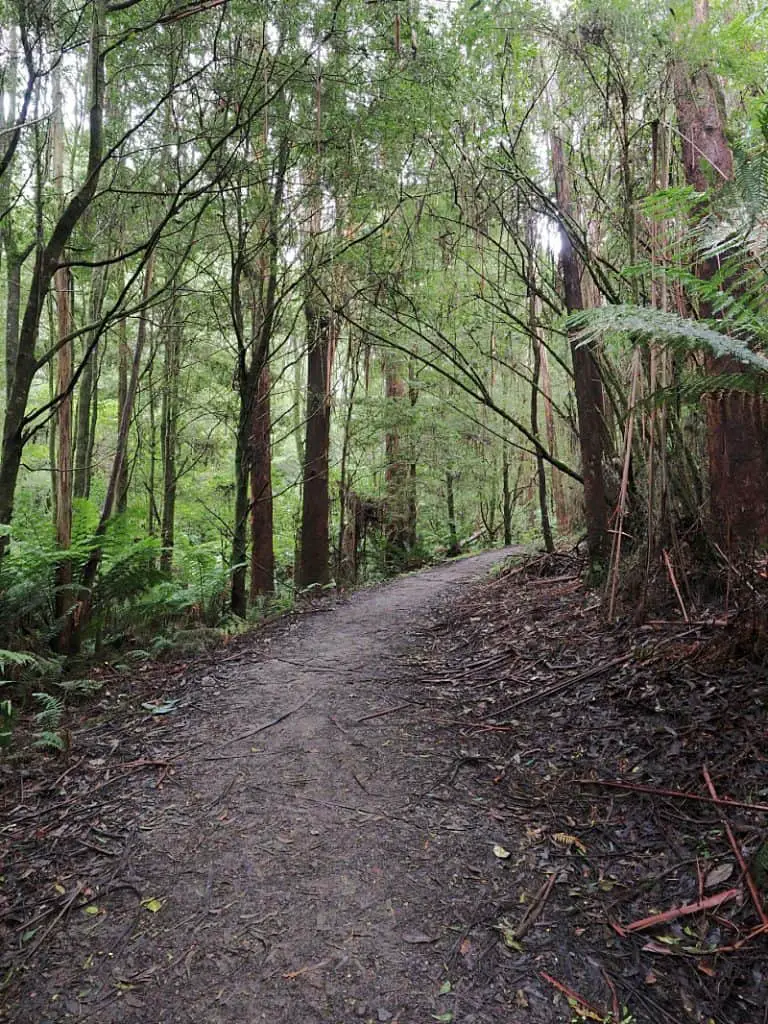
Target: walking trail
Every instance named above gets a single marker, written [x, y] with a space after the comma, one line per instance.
[288, 855]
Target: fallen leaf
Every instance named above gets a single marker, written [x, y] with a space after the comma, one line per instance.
[445, 988]
[445, 1018]
[501, 853]
[718, 875]
[91, 909]
[656, 947]
[565, 839]
[152, 904]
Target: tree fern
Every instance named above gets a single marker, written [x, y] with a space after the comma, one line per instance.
[676, 332]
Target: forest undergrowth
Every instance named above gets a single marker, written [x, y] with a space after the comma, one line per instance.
[618, 765]
[628, 759]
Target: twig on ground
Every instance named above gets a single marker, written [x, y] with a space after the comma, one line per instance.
[582, 1007]
[380, 714]
[688, 908]
[41, 938]
[675, 794]
[259, 728]
[737, 852]
[558, 687]
[534, 911]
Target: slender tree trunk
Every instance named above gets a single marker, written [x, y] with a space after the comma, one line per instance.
[453, 537]
[13, 260]
[586, 373]
[558, 491]
[82, 485]
[12, 310]
[86, 395]
[396, 526]
[315, 513]
[168, 435]
[239, 558]
[413, 506]
[63, 287]
[506, 499]
[91, 568]
[64, 596]
[262, 530]
[123, 366]
[346, 567]
[533, 328]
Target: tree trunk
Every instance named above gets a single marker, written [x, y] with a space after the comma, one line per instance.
[453, 537]
[737, 423]
[396, 476]
[91, 567]
[558, 491]
[64, 596]
[13, 260]
[506, 499]
[168, 434]
[315, 511]
[586, 373]
[262, 530]
[86, 395]
[533, 328]
[239, 557]
[346, 562]
[12, 310]
[62, 286]
[123, 365]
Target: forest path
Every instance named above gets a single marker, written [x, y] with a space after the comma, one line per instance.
[296, 865]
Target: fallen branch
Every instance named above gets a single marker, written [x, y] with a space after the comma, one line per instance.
[260, 728]
[737, 852]
[559, 687]
[688, 908]
[534, 911]
[380, 714]
[742, 942]
[578, 1003]
[673, 581]
[675, 794]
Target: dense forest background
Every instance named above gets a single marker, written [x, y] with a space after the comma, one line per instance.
[297, 294]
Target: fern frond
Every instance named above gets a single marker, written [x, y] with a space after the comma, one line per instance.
[650, 324]
[51, 711]
[47, 739]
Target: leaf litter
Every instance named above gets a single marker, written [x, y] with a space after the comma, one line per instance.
[620, 767]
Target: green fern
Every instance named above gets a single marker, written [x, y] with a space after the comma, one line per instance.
[648, 324]
[49, 740]
[16, 658]
[51, 711]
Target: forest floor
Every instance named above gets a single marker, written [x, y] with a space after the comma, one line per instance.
[387, 811]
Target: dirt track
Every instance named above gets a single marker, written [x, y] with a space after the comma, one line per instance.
[293, 865]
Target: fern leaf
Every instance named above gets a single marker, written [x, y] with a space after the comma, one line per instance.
[655, 324]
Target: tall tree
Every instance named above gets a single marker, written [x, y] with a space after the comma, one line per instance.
[737, 423]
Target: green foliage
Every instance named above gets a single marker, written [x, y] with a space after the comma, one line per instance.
[47, 722]
[679, 333]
